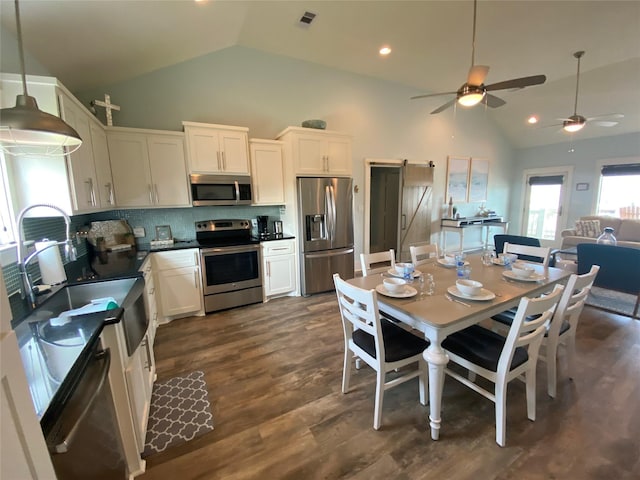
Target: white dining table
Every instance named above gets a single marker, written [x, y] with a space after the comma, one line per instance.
[442, 314]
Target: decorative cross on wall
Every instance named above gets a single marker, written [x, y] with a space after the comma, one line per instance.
[108, 107]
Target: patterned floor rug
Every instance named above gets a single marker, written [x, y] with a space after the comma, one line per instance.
[617, 302]
[179, 412]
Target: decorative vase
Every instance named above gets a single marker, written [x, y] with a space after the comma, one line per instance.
[607, 238]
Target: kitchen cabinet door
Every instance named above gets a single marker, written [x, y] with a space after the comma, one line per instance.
[234, 152]
[180, 291]
[178, 282]
[168, 170]
[318, 152]
[267, 172]
[148, 168]
[104, 188]
[217, 149]
[129, 156]
[279, 267]
[140, 375]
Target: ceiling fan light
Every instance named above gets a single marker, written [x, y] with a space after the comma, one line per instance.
[572, 127]
[470, 95]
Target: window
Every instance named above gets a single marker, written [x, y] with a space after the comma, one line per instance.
[619, 194]
[6, 225]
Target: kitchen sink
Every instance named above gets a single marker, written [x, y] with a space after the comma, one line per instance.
[74, 297]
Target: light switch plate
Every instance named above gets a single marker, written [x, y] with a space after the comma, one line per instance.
[138, 232]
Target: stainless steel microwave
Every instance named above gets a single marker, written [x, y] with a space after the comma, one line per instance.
[220, 190]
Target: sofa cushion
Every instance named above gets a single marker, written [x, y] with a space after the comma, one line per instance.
[629, 230]
[588, 228]
[605, 221]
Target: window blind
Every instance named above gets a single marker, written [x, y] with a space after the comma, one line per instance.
[620, 170]
[547, 180]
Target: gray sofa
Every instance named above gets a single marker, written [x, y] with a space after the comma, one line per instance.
[626, 231]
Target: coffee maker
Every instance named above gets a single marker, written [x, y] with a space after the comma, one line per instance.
[263, 225]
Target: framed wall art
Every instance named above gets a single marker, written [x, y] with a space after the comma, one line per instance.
[457, 178]
[478, 180]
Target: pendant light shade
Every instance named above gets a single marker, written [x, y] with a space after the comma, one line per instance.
[25, 129]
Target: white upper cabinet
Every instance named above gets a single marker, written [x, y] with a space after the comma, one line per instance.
[318, 152]
[267, 169]
[148, 167]
[217, 149]
[74, 182]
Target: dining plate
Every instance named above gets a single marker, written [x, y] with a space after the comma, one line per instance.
[394, 273]
[533, 278]
[408, 292]
[449, 265]
[483, 295]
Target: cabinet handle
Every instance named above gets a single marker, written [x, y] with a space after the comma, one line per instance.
[224, 161]
[326, 163]
[196, 279]
[89, 183]
[109, 188]
[218, 157]
[155, 188]
[147, 364]
[280, 248]
[268, 268]
[150, 193]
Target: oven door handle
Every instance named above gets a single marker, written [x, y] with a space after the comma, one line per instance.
[226, 250]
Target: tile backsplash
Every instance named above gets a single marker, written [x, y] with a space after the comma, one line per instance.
[181, 220]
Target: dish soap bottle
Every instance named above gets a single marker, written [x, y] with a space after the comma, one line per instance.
[607, 237]
[450, 210]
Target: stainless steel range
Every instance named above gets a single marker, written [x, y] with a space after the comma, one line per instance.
[231, 264]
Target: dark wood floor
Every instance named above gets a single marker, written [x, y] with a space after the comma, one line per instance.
[274, 373]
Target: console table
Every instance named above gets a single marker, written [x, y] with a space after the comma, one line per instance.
[459, 225]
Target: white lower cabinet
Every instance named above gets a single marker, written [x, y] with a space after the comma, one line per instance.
[150, 298]
[140, 374]
[177, 277]
[279, 267]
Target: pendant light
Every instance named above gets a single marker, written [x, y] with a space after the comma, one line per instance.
[25, 129]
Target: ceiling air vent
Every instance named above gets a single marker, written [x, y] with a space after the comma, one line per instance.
[307, 18]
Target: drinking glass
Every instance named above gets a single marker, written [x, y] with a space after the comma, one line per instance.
[487, 257]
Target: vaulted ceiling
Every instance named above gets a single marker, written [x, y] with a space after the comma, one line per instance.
[88, 43]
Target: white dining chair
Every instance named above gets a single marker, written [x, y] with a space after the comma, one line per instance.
[543, 253]
[423, 254]
[368, 260]
[501, 359]
[383, 346]
[562, 329]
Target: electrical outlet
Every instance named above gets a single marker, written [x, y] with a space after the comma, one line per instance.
[138, 232]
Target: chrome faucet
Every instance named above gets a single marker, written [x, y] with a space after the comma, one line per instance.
[69, 249]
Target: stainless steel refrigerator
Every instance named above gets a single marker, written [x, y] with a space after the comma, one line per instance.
[325, 207]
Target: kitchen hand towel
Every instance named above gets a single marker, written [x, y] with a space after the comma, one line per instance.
[51, 267]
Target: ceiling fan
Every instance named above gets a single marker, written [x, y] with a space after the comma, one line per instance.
[474, 91]
[576, 122]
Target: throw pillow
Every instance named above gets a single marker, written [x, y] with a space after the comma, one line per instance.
[588, 228]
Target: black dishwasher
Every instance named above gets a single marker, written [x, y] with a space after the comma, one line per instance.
[84, 441]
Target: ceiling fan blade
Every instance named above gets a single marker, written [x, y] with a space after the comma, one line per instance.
[433, 95]
[606, 123]
[606, 115]
[443, 107]
[517, 83]
[493, 101]
[477, 74]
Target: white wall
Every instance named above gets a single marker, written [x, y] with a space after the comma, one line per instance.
[267, 93]
[586, 159]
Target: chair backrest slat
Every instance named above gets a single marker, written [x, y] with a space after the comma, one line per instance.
[543, 253]
[369, 259]
[422, 254]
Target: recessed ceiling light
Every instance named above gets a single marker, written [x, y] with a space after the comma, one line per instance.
[532, 119]
[385, 51]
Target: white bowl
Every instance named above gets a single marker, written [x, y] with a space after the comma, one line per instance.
[469, 287]
[449, 258]
[394, 285]
[400, 267]
[521, 270]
